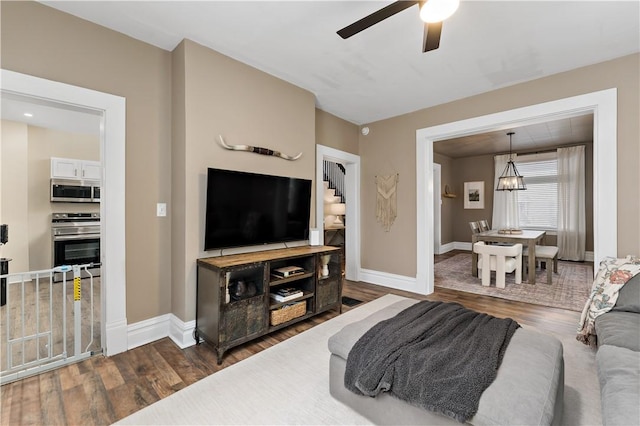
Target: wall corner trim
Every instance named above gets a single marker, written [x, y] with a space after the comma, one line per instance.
[398, 282]
[159, 327]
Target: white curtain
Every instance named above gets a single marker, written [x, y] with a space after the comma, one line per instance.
[571, 210]
[505, 203]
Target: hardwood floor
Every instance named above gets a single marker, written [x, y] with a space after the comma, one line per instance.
[103, 390]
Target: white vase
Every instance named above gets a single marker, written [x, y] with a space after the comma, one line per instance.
[325, 264]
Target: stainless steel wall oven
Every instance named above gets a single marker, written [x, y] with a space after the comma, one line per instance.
[76, 239]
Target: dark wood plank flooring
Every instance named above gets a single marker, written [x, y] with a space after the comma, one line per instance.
[102, 390]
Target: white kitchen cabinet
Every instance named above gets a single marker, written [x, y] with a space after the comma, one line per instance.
[91, 170]
[69, 168]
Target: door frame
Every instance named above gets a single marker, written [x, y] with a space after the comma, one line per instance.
[437, 207]
[112, 207]
[603, 106]
[351, 162]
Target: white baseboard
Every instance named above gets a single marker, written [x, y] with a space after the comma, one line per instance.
[182, 332]
[157, 328]
[454, 245]
[588, 256]
[117, 337]
[446, 248]
[148, 331]
[399, 282]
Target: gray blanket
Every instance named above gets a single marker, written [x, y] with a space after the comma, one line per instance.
[435, 355]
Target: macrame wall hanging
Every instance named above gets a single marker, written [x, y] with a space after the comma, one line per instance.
[258, 150]
[386, 200]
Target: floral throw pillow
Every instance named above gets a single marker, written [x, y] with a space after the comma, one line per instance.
[612, 275]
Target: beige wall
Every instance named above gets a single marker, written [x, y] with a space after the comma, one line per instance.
[222, 96]
[471, 169]
[14, 201]
[448, 204]
[392, 252]
[43, 42]
[336, 133]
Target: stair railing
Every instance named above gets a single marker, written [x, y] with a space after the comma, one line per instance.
[334, 174]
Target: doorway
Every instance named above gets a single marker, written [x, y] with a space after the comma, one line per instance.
[112, 154]
[351, 163]
[602, 104]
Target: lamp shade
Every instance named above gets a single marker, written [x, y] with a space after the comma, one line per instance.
[510, 179]
[338, 210]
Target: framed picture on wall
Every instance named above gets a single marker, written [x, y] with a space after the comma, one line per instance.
[474, 195]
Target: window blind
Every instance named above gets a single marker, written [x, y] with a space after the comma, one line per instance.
[538, 205]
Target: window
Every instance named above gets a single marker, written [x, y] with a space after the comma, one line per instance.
[538, 205]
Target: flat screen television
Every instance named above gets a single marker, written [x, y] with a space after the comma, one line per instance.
[248, 209]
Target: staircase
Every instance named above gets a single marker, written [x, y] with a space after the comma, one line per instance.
[334, 208]
[334, 174]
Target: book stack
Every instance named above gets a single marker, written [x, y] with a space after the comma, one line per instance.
[286, 294]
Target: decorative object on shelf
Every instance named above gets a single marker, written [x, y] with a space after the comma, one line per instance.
[510, 231]
[338, 210]
[241, 289]
[286, 294]
[387, 200]
[288, 312]
[448, 194]
[474, 195]
[324, 259]
[258, 150]
[510, 179]
[287, 271]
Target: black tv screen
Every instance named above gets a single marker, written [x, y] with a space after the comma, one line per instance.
[245, 209]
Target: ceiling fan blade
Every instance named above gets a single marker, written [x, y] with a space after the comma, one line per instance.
[432, 34]
[375, 17]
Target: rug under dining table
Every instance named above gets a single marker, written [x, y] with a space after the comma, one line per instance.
[569, 289]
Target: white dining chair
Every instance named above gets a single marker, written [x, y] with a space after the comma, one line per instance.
[501, 259]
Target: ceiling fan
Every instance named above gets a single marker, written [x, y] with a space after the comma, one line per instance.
[432, 12]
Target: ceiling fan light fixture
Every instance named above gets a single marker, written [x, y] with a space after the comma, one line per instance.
[438, 10]
[510, 179]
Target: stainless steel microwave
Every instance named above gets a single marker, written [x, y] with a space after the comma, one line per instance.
[75, 191]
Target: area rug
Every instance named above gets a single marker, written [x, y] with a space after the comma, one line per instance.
[569, 289]
[289, 384]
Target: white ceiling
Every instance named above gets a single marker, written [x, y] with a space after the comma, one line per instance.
[50, 115]
[382, 72]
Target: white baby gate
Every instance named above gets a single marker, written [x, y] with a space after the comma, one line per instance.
[39, 331]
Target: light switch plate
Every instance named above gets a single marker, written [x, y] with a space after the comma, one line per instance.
[161, 209]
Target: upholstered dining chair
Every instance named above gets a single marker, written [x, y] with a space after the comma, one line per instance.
[502, 259]
[546, 254]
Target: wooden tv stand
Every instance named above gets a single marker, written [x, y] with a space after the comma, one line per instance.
[226, 317]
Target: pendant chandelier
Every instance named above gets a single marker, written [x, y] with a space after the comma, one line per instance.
[510, 179]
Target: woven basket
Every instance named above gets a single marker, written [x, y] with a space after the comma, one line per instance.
[288, 312]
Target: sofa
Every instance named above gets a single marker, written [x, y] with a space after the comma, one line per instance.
[618, 357]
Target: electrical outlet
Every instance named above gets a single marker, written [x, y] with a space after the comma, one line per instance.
[161, 209]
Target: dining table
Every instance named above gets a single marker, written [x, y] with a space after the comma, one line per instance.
[527, 237]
